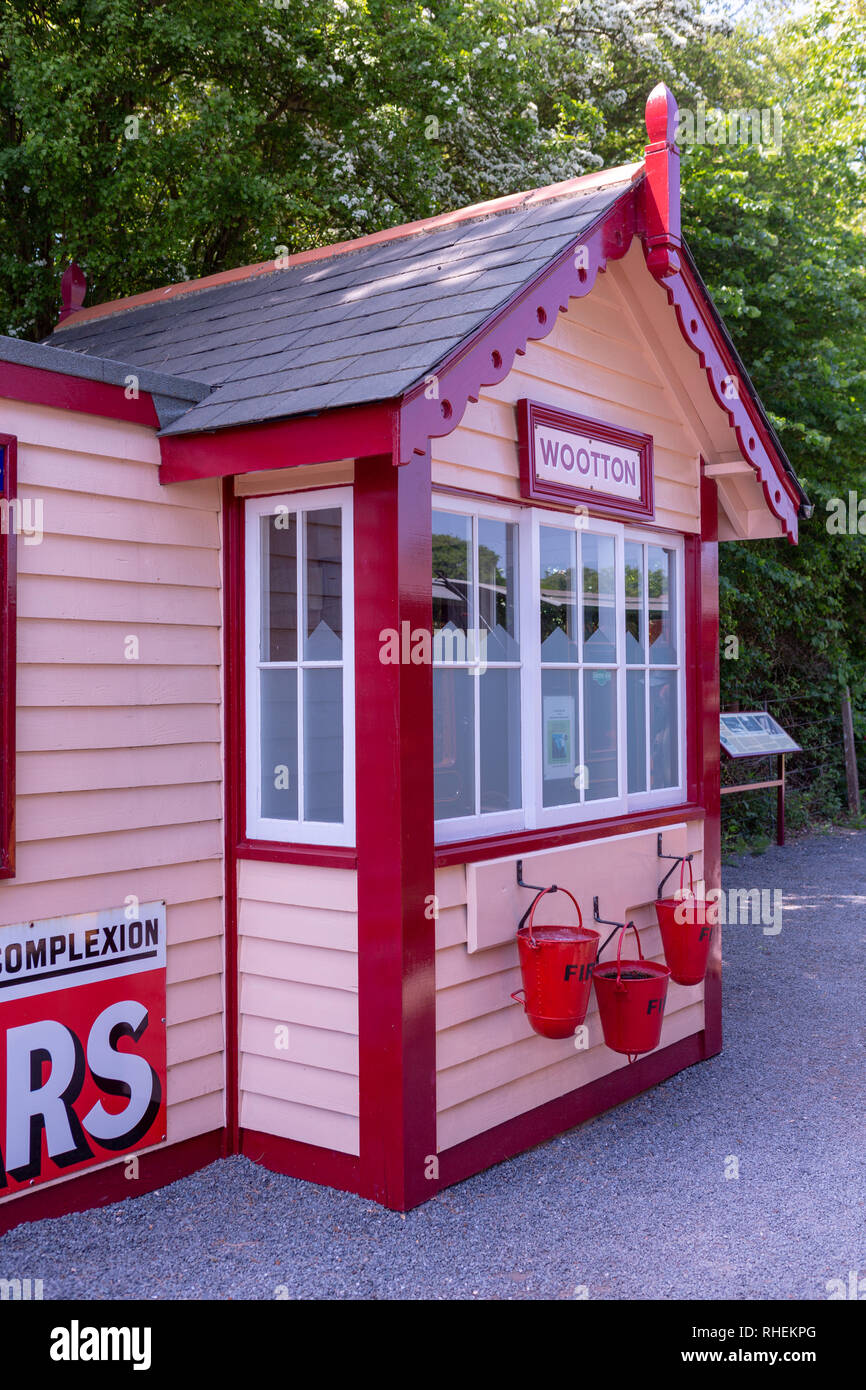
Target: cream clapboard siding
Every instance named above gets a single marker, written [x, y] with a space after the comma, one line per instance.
[490, 1066]
[119, 767]
[298, 941]
[298, 949]
[596, 361]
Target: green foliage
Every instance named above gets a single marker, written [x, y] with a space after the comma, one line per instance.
[158, 142]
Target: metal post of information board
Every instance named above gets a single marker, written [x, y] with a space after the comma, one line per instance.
[780, 800]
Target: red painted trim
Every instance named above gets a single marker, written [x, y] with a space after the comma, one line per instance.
[305, 1161]
[233, 538]
[335, 434]
[73, 288]
[662, 186]
[8, 610]
[692, 599]
[708, 746]
[323, 856]
[532, 413]
[575, 1108]
[89, 1190]
[486, 358]
[534, 841]
[39, 387]
[699, 324]
[394, 778]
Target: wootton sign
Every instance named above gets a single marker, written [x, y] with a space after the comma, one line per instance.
[566, 457]
[82, 1041]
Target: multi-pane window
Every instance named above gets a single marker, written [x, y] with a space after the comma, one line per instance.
[577, 603]
[560, 695]
[652, 670]
[477, 665]
[299, 668]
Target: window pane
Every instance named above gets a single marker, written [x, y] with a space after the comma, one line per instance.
[279, 716]
[499, 692]
[497, 589]
[664, 759]
[558, 597]
[636, 719]
[452, 573]
[598, 556]
[634, 610]
[323, 745]
[559, 737]
[279, 640]
[324, 596]
[599, 734]
[453, 742]
[662, 605]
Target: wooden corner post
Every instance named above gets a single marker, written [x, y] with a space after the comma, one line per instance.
[396, 905]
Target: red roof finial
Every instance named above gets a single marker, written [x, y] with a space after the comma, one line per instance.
[662, 186]
[73, 287]
[661, 115]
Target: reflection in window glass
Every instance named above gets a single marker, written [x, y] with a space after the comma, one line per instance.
[279, 587]
[324, 585]
[599, 733]
[499, 739]
[296, 708]
[279, 740]
[453, 742]
[662, 606]
[558, 596]
[452, 571]
[599, 597]
[560, 735]
[497, 588]
[323, 744]
[634, 609]
[636, 723]
[664, 759]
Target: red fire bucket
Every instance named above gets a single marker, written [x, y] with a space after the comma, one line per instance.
[556, 964]
[631, 1000]
[686, 925]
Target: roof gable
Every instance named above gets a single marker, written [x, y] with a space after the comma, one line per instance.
[360, 326]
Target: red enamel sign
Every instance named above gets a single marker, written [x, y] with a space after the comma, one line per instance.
[588, 463]
[82, 1042]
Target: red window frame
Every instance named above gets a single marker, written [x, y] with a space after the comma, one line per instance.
[8, 577]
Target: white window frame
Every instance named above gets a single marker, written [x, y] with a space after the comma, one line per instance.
[491, 822]
[301, 831]
[533, 815]
[665, 796]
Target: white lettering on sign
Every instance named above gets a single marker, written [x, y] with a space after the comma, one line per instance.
[82, 1041]
[578, 460]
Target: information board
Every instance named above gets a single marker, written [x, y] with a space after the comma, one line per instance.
[754, 735]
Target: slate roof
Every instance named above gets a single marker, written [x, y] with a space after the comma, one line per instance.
[171, 395]
[363, 325]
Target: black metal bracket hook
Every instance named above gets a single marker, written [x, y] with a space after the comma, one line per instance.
[535, 888]
[678, 859]
[617, 926]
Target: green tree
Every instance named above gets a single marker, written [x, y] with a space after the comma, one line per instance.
[171, 140]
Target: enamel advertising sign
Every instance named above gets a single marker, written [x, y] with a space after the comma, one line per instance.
[571, 458]
[82, 1042]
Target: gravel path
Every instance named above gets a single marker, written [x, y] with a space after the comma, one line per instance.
[632, 1205]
